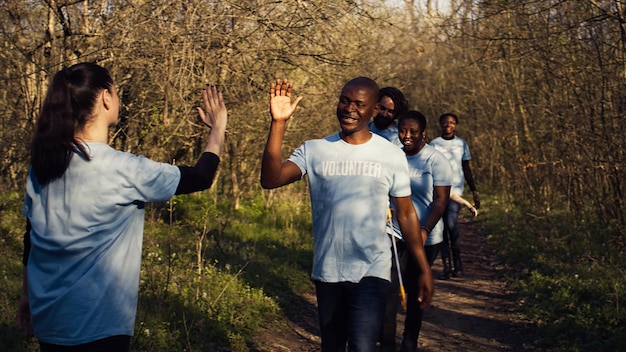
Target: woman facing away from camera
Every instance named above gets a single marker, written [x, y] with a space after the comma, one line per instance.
[84, 206]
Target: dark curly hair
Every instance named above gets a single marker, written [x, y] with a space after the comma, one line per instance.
[401, 105]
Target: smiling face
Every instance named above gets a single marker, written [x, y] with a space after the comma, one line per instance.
[386, 113]
[411, 134]
[357, 105]
[448, 126]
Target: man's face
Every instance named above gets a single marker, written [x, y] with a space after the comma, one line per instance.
[386, 113]
[357, 105]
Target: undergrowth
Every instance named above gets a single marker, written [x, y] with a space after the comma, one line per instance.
[570, 275]
[212, 277]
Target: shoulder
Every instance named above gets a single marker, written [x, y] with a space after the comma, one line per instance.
[319, 142]
[437, 141]
[316, 147]
[113, 159]
[433, 152]
[385, 146]
[376, 138]
[459, 139]
[104, 154]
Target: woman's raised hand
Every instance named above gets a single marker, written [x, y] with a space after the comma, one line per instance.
[214, 113]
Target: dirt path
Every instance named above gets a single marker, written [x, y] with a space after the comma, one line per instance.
[476, 312]
[473, 313]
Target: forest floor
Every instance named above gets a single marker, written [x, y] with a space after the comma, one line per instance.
[472, 313]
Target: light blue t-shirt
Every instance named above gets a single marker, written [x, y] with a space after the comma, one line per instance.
[87, 231]
[350, 186]
[456, 151]
[390, 133]
[427, 169]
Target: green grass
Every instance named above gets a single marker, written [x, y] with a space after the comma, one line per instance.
[570, 275]
[213, 277]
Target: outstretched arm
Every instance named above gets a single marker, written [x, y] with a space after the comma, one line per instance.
[457, 198]
[274, 171]
[215, 116]
[409, 226]
[467, 172]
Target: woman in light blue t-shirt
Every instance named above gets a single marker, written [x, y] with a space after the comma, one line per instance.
[84, 207]
[431, 178]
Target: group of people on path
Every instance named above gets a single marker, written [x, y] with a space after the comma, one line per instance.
[433, 176]
[82, 253]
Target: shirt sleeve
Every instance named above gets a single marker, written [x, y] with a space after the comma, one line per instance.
[401, 186]
[466, 151]
[199, 177]
[442, 171]
[298, 157]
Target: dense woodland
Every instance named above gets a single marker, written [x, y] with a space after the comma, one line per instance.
[539, 85]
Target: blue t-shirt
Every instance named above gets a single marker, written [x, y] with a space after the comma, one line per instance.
[87, 231]
[456, 151]
[350, 186]
[427, 169]
[390, 133]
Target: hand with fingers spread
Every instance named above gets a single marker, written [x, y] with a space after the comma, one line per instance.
[281, 106]
[215, 116]
[57, 291]
[214, 113]
[350, 205]
[275, 172]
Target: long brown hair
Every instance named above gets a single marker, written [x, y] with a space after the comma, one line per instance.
[67, 106]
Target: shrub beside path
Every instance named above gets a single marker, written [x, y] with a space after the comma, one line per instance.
[472, 313]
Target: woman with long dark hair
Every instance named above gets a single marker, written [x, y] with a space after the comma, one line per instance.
[84, 206]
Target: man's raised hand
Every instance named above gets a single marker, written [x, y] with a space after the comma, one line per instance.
[281, 106]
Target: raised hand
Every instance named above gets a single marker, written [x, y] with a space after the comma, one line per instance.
[281, 106]
[214, 114]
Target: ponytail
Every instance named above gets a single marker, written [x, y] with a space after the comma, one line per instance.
[66, 109]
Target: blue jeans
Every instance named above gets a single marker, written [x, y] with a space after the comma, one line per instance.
[451, 237]
[351, 312]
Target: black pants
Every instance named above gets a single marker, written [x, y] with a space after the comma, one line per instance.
[414, 314]
[118, 343]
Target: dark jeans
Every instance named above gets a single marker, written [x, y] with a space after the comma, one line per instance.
[414, 313]
[118, 343]
[451, 237]
[351, 312]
